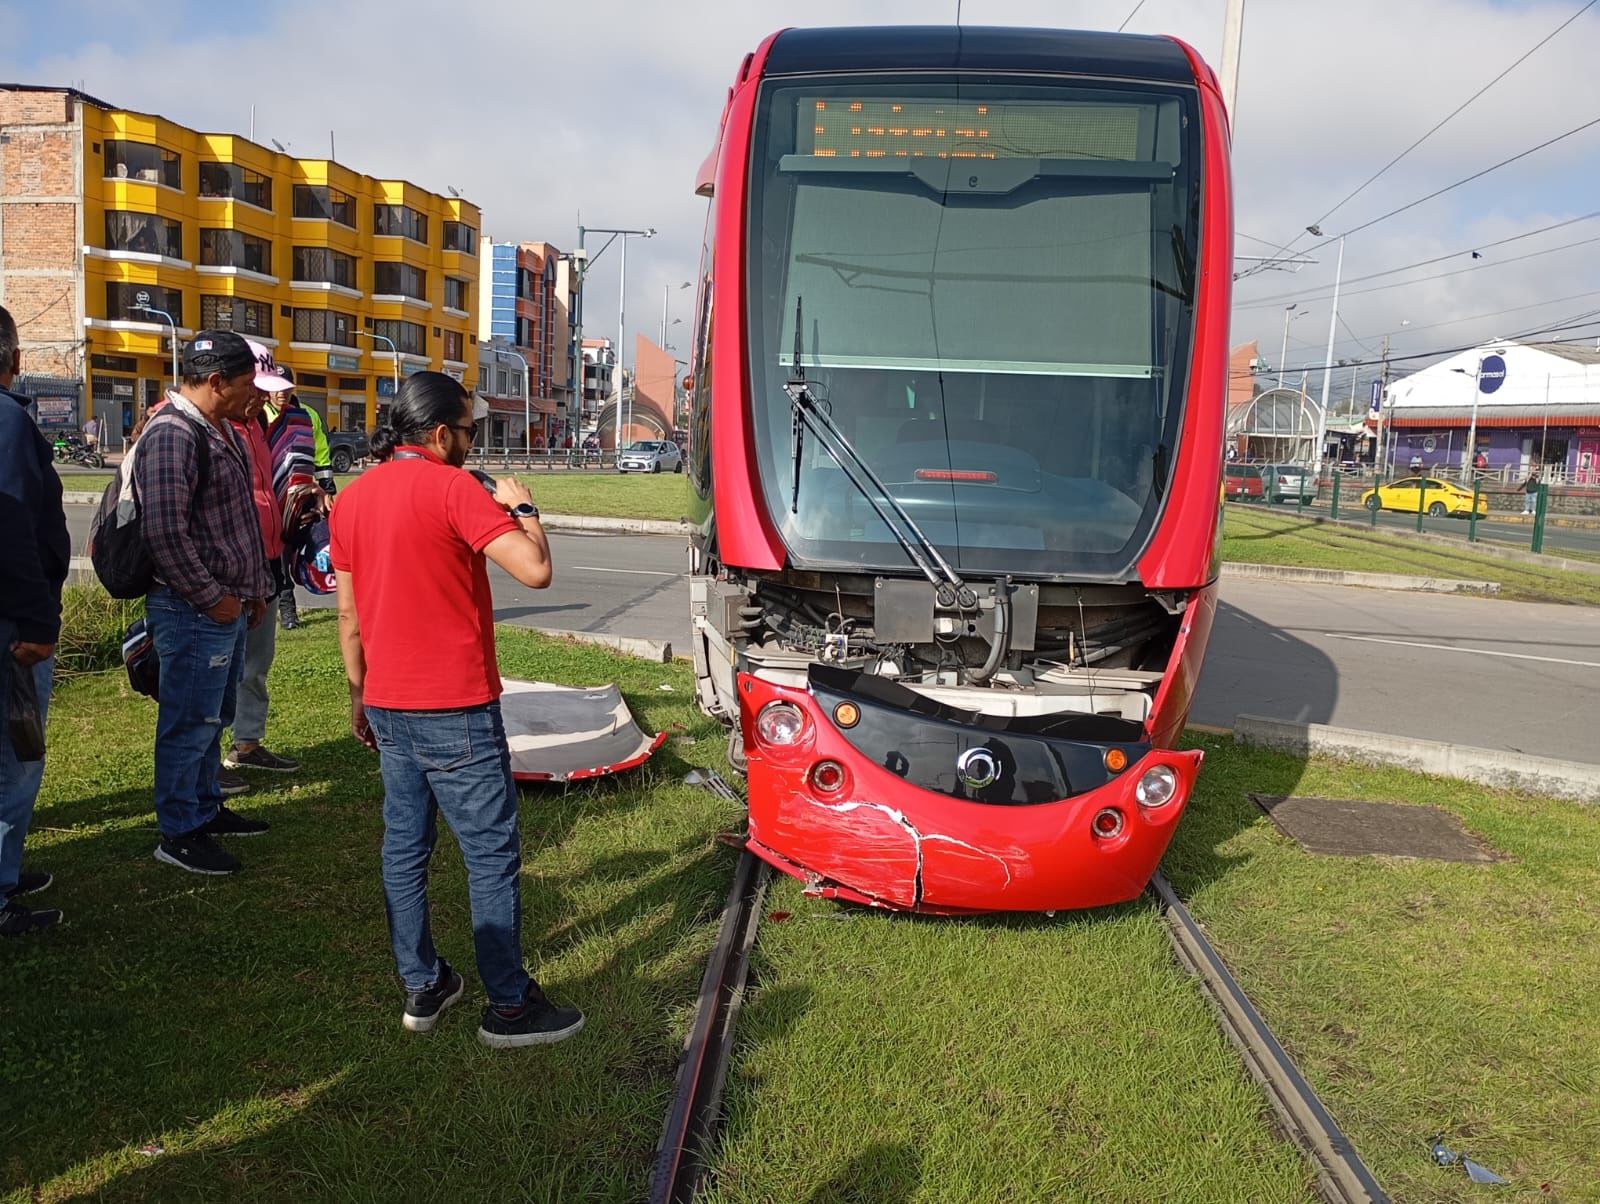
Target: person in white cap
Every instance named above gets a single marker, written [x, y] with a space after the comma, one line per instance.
[250, 718]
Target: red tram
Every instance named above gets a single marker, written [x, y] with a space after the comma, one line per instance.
[955, 451]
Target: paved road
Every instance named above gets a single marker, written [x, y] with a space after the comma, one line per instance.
[1476, 671]
[1519, 535]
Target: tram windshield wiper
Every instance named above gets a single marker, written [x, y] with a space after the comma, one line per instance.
[810, 415]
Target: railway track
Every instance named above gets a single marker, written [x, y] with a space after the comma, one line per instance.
[689, 1135]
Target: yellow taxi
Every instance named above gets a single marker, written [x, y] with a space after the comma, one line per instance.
[1437, 498]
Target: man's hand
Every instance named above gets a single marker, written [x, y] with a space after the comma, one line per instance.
[255, 610]
[509, 492]
[27, 655]
[359, 727]
[225, 610]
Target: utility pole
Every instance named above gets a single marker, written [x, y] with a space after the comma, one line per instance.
[1232, 39]
[1327, 363]
[1383, 396]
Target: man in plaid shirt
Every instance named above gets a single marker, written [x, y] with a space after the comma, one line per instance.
[204, 540]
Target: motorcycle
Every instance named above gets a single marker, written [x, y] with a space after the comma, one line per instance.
[71, 447]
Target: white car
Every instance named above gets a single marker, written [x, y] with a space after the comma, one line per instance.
[650, 455]
[1290, 482]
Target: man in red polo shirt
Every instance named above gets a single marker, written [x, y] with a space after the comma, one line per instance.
[410, 539]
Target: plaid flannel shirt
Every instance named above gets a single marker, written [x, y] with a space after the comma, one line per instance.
[205, 541]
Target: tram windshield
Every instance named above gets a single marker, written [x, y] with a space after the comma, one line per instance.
[994, 285]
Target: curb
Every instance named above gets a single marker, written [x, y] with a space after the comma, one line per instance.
[658, 651]
[1489, 767]
[615, 526]
[1389, 581]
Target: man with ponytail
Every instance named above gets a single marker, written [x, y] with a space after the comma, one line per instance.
[410, 541]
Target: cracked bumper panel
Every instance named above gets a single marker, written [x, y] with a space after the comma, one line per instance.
[881, 840]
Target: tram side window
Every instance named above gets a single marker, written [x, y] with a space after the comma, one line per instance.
[698, 465]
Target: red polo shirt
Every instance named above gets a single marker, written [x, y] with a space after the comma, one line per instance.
[411, 534]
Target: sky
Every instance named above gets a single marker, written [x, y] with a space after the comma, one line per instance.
[542, 113]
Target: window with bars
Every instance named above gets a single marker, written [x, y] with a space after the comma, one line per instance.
[146, 233]
[236, 313]
[409, 337]
[325, 326]
[324, 265]
[235, 249]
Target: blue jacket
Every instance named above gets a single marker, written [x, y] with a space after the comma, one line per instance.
[33, 527]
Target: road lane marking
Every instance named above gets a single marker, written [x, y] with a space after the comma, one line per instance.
[1516, 656]
[595, 568]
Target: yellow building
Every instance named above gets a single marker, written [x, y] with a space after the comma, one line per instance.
[353, 281]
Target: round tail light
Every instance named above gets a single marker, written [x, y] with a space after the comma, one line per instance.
[827, 777]
[1107, 823]
[780, 723]
[1157, 787]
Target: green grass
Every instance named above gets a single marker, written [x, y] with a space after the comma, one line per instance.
[887, 1058]
[251, 1025]
[1251, 536]
[1417, 996]
[590, 492]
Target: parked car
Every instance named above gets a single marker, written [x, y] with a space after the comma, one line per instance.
[1244, 482]
[1437, 497]
[650, 455]
[1289, 482]
[347, 448]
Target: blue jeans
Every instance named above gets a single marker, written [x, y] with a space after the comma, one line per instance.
[455, 762]
[19, 780]
[200, 664]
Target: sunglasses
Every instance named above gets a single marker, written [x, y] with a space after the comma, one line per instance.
[471, 428]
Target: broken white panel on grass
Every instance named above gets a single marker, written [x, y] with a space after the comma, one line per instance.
[569, 733]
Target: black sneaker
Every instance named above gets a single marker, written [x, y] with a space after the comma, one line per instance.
[288, 613]
[260, 757]
[17, 920]
[536, 1022]
[30, 882]
[231, 823]
[424, 1007]
[231, 783]
[197, 853]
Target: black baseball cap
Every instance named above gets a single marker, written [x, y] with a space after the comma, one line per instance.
[218, 351]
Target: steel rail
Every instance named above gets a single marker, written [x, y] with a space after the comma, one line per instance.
[1342, 1178]
[689, 1134]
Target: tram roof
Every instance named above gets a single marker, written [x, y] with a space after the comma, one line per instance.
[983, 48]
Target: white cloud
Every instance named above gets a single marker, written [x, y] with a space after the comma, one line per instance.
[538, 111]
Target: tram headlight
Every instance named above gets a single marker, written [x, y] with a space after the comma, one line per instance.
[1157, 787]
[780, 723]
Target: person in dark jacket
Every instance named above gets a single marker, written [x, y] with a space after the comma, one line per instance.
[32, 571]
[1530, 492]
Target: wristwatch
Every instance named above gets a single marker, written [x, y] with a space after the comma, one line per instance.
[524, 510]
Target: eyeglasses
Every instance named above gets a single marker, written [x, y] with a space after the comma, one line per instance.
[471, 428]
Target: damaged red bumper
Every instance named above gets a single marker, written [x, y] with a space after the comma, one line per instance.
[857, 831]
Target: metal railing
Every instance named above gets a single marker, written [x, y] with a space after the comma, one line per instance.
[558, 459]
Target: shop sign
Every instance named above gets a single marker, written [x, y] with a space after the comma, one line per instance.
[411, 369]
[1491, 373]
[344, 363]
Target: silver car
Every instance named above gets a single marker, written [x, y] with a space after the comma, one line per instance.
[1290, 482]
[650, 455]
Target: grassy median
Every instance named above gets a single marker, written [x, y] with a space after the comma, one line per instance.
[239, 1038]
[1255, 536]
[1419, 997]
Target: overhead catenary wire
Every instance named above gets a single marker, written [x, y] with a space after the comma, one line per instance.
[1130, 16]
[1444, 351]
[1441, 124]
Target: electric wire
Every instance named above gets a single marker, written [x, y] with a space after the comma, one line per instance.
[1130, 16]
[1435, 129]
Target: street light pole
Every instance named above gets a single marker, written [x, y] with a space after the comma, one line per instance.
[622, 298]
[1327, 363]
[142, 301]
[1232, 38]
[394, 353]
[1283, 352]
